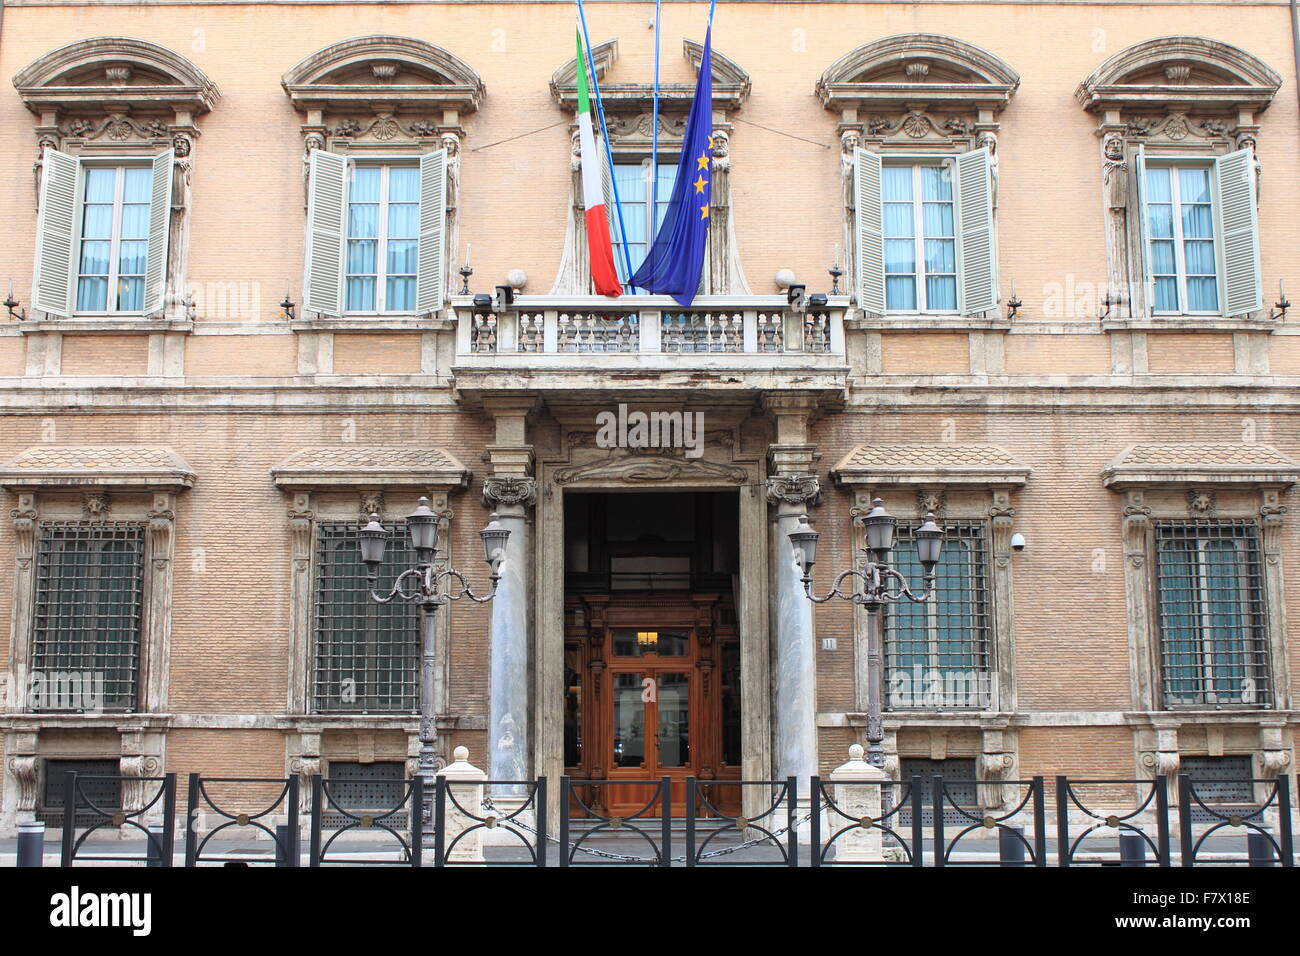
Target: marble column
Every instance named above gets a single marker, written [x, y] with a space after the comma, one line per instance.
[795, 665]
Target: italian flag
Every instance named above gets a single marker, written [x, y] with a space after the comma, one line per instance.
[603, 274]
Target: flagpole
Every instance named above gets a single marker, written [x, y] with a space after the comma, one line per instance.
[604, 132]
[654, 142]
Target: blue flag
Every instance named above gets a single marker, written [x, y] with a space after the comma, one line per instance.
[677, 253]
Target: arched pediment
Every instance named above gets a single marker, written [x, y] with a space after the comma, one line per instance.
[917, 68]
[407, 72]
[1180, 69]
[121, 71]
[730, 83]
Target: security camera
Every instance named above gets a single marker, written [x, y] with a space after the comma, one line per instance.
[1018, 542]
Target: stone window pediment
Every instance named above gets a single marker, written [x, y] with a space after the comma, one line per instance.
[918, 71]
[1200, 464]
[115, 74]
[385, 74]
[124, 467]
[928, 466]
[1180, 71]
[370, 466]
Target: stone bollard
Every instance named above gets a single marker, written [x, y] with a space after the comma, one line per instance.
[856, 797]
[465, 782]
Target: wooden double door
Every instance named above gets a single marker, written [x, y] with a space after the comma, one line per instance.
[660, 698]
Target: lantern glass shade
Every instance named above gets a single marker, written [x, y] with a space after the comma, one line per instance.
[372, 538]
[804, 541]
[929, 544]
[423, 525]
[494, 539]
[880, 526]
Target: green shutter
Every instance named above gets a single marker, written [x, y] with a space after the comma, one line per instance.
[55, 232]
[323, 279]
[976, 259]
[160, 208]
[429, 291]
[870, 232]
[1239, 233]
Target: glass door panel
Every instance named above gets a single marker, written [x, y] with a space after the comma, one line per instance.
[674, 720]
[629, 721]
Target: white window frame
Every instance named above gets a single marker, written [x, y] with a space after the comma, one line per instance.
[650, 213]
[1174, 163]
[118, 163]
[385, 164]
[915, 163]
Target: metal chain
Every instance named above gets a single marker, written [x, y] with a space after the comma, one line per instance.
[624, 858]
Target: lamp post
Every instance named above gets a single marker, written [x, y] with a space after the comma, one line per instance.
[873, 593]
[431, 589]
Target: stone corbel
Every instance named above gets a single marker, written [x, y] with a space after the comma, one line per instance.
[1136, 531]
[306, 763]
[1274, 757]
[997, 760]
[25, 766]
[139, 760]
[25, 530]
[1165, 760]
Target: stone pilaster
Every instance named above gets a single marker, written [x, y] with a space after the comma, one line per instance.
[1136, 532]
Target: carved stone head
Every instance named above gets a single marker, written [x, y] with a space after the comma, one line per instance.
[181, 144]
[1113, 148]
[451, 143]
[850, 140]
[314, 141]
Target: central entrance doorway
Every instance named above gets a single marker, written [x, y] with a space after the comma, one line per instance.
[652, 651]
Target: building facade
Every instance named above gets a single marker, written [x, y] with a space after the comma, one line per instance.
[276, 267]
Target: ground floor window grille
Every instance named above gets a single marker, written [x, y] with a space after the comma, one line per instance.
[1219, 780]
[104, 794]
[937, 652]
[87, 617]
[1210, 599]
[959, 780]
[366, 788]
[366, 654]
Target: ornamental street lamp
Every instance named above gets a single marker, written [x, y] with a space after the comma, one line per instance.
[431, 589]
[873, 593]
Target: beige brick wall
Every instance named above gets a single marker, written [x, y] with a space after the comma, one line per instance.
[375, 354]
[1197, 352]
[925, 352]
[105, 354]
[241, 354]
[1060, 354]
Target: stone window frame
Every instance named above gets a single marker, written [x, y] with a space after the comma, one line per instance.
[120, 120]
[1202, 479]
[969, 482]
[368, 120]
[347, 483]
[80, 482]
[1145, 100]
[915, 118]
[629, 117]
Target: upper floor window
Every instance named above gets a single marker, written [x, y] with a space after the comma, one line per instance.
[1210, 600]
[925, 233]
[937, 652]
[383, 238]
[376, 234]
[636, 195]
[114, 239]
[920, 241]
[1180, 227]
[102, 232]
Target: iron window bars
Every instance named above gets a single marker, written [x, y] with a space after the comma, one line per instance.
[88, 616]
[1210, 601]
[366, 654]
[937, 653]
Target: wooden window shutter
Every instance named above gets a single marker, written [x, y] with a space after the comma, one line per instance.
[870, 228]
[430, 291]
[56, 227]
[323, 277]
[1239, 233]
[976, 258]
[160, 207]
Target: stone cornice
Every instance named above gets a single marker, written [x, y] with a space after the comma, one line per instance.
[936, 465]
[370, 466]
[731, 83]
[1201, 465]
[124, 467]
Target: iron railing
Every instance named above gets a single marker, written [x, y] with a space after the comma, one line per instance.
[158, 845]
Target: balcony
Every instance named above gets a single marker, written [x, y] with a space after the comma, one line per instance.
[736, 343]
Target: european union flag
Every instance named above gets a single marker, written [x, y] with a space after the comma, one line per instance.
[677, 253]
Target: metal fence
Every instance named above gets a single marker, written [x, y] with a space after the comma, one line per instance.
[236, 821]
